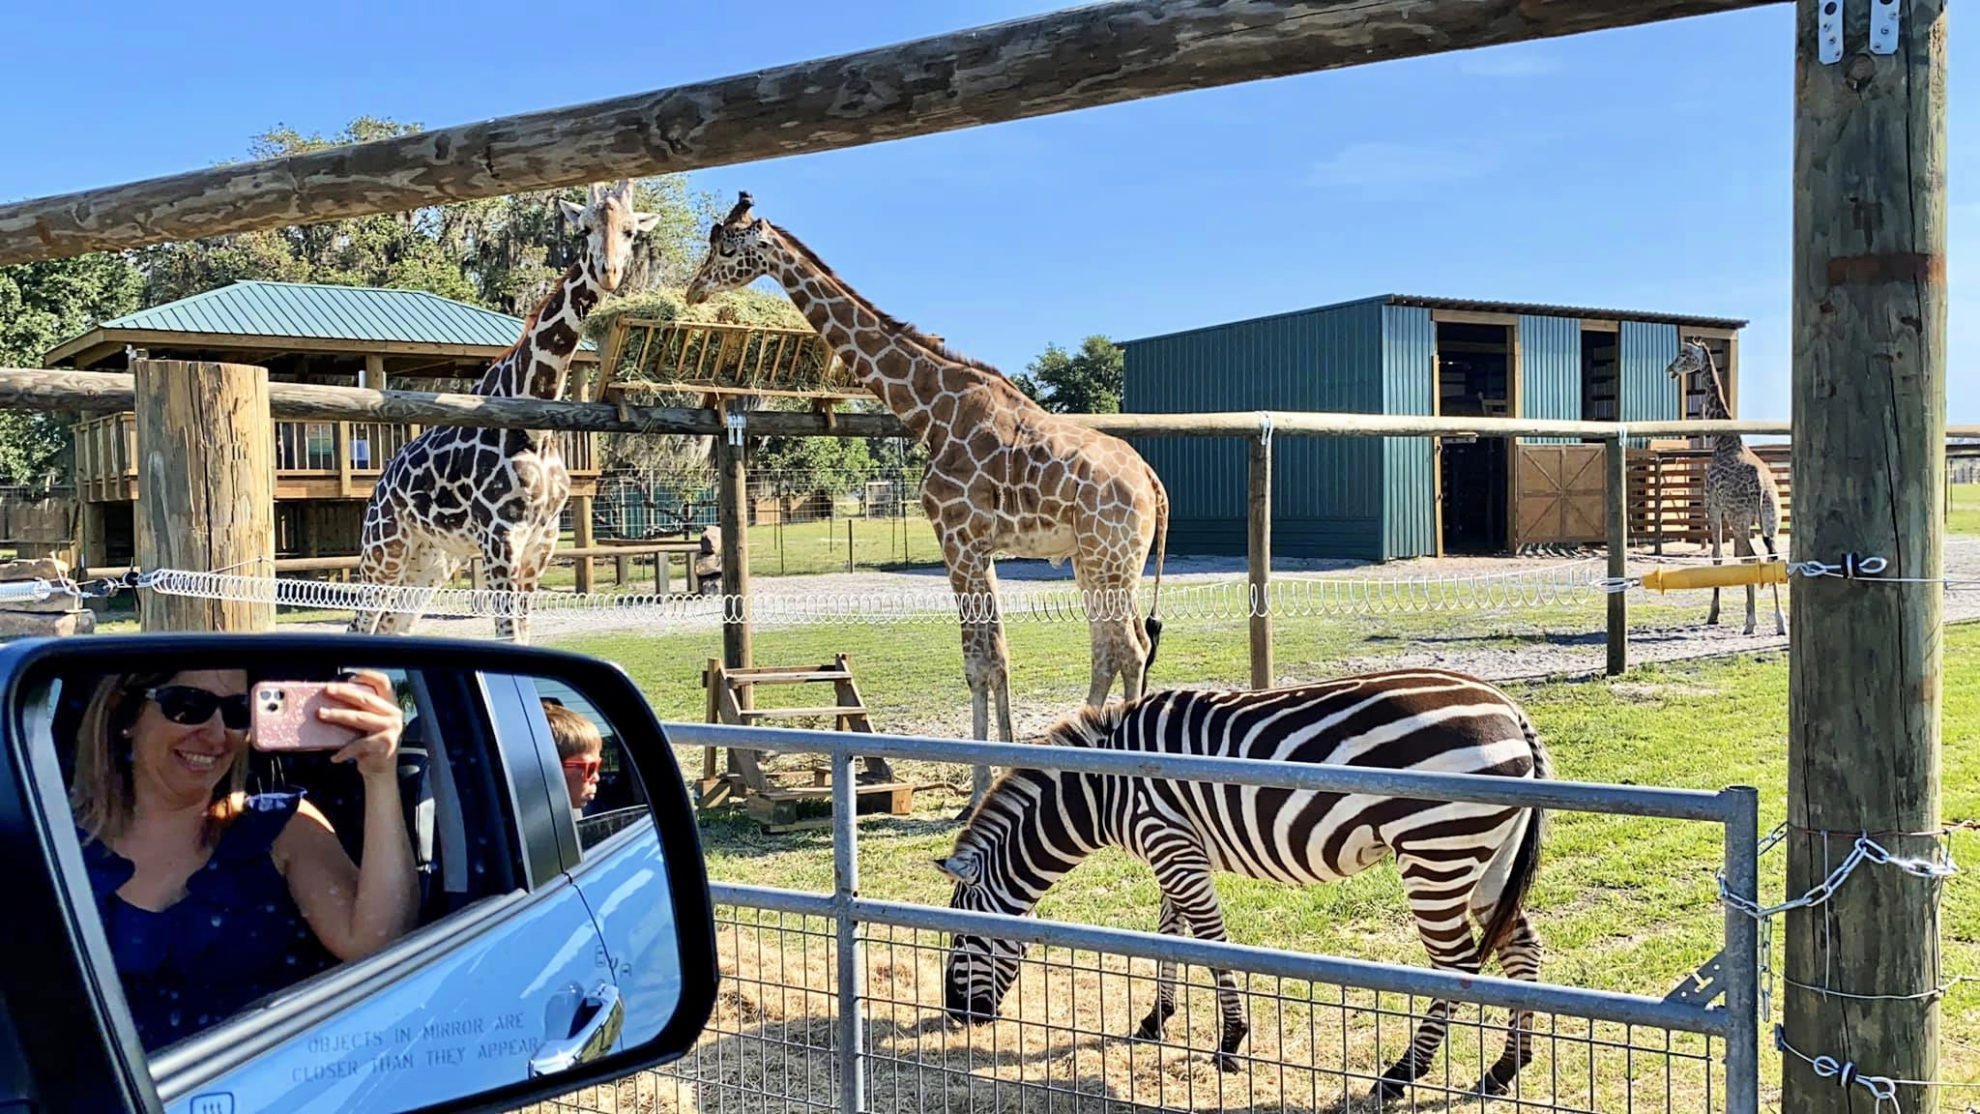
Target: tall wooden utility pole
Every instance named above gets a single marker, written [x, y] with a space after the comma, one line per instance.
[1869, 462]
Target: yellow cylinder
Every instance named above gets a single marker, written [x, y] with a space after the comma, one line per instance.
[1716, 576]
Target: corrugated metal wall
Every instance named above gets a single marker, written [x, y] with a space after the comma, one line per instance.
[1409, 361]
[1647, 392]
[1549, 371]
[1326, 490]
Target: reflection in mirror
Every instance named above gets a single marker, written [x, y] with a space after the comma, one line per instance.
[364, 888]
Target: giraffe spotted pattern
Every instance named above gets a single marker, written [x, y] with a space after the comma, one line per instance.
[1004, 474]
[455, 493]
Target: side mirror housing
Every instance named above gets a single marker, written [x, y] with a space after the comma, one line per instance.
[304, 871]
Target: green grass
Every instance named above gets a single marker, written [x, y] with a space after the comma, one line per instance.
[1622, 903]
[1965, 516]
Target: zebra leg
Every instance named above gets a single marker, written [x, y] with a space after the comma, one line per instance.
[1519, 958]
[1439, 891]
[1165, 979]
[1185, 879]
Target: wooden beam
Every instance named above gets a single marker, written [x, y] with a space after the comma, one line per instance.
[1258, 554]
[1616, 509]
[1865, 683]
[1083, 57]
[203, 510]
[110, 392]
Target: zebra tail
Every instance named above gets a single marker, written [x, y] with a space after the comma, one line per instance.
[1152, 625]
[1526, 860]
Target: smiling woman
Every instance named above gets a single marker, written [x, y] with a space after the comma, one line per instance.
[212, 897]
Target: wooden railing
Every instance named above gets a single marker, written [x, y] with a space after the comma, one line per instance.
[714, 358]
[106, 453]
[1667, 494]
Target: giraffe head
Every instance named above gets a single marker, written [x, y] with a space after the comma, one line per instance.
[1692, 358]
[609, 225]
[739, 252]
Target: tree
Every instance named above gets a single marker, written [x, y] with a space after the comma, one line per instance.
[1085, 382]
[41, 305]
[502, 252]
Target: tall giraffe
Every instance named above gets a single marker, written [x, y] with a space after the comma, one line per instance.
[459, 492]
[1740, 492]
[1004, 475]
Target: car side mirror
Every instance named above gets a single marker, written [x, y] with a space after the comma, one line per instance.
[338, 872]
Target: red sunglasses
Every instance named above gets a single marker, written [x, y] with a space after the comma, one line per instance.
[588, 765]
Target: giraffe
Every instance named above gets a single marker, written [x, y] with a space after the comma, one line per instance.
[1740, 492]
[459, 492]
[1004, 475]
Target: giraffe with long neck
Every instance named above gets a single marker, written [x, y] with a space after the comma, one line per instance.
[1004, 474]
[455, 493]
[1740, 491]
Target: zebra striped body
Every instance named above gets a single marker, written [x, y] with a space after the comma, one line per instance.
[1459, 860]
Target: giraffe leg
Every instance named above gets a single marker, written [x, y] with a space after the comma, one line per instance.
[1743, 547]
[1119, 645]
[423, 565]
[1769, 528]
[502, 553]
[1713, 529]
[986, 659]
[383, 550]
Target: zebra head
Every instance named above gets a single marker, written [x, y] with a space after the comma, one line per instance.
[980, 970]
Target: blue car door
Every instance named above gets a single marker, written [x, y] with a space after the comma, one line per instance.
[508, 984]
[615, 864]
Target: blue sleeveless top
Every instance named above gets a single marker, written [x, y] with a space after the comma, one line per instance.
[236, 935]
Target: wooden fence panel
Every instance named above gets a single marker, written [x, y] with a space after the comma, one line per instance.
[1667, 494]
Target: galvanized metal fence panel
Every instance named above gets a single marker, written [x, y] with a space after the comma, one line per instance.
[833, 1001]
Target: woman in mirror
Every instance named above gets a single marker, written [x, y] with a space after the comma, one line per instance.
[212, 897]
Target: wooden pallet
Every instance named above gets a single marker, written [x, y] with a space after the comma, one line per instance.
[774, 800]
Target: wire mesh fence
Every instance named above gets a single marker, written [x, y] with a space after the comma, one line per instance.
[816, 987]
[1064, 1043]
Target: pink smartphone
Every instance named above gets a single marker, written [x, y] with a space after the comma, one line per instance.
[284, 718]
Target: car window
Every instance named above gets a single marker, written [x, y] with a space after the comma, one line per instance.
[236, 906]
[607, 796]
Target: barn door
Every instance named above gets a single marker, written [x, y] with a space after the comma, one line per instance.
[1558, 495]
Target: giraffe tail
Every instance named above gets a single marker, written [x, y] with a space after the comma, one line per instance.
[1152, 625]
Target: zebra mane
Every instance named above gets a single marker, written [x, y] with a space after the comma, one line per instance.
[1088, 727]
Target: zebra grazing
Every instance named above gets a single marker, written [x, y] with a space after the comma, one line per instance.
[1456, 859]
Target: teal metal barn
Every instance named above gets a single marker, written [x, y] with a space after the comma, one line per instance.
[1388, 498]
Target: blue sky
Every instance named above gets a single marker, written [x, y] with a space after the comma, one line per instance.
[1647, 168]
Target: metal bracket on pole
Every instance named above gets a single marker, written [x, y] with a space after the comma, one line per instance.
[1829, 33]
[1883, 26]
[736, 423]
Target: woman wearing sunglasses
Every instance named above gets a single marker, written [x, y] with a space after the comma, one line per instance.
[212, 897]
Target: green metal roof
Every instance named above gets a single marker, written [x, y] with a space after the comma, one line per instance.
[324, 312]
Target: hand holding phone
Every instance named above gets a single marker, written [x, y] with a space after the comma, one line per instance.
[284, 715]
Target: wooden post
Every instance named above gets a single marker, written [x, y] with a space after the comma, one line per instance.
[1868, 453]
[1618, 499]
[206, 502]
[730, 514]
[1259, 549]
[581, 538]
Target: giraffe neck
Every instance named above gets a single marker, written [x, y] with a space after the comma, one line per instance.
[1714, 408]
[539, 363]
[865, 339]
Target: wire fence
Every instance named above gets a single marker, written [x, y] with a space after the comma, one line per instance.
[835, 1002]
[1064, 1044]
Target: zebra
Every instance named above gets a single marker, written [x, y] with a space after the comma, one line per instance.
[1033, 826]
